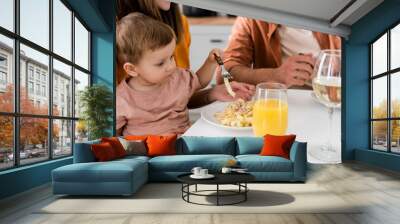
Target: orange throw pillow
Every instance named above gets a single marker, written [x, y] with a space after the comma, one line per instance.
[277, 145]
[103, 152]
[135, 137]
[116, 145]
[161, 145]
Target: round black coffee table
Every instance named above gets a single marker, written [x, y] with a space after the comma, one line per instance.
[238, 179]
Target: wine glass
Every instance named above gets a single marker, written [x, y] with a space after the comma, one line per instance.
[270, 111]
[326, 84]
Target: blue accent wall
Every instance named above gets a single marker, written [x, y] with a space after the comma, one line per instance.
[356, 86]
[103, 53]
[356, 99]
[99, 16]
[377, 158]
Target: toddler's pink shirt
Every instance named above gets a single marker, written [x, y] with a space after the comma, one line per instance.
[159, 112]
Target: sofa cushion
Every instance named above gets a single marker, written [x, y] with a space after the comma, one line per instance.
[118, 177]
[185, 163]
[103, 152]
[116, 170]
[95, 172]
[159, 145]
[116, 145]
[195, 145]
[277, 145]
[257, 163]
[249, 145]
[134, 147]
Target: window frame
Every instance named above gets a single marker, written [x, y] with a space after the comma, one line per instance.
[389, 73]
[16, 115]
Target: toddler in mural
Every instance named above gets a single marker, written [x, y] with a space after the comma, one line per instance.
[154, 97]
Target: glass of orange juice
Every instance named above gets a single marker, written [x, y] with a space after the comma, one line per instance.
[270, 111]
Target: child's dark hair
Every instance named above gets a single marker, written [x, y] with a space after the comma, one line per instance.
[137, 33]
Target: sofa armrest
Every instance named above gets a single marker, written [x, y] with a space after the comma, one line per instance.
[83, 152]
[298, 155]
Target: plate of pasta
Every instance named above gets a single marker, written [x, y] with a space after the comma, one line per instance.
[235, 115]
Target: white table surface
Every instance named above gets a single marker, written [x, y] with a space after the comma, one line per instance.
[307, 118]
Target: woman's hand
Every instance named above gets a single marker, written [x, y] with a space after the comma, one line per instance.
[242, 90]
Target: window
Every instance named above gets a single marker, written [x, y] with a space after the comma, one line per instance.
[62, 30]
[30, 72]
[30, 87]
[43, 90]
[6, 89]
[38, 80]
[62, 75]
[3, 61]
[63, 140]
[37, 74]
[81, 45]
[3, 78]
[385, 94]
[81, 81]
[7, 14]
[38, 89]
[34, 21]
[3, 71]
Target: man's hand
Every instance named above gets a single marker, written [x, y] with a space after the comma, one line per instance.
[296, 70]
[242, 90]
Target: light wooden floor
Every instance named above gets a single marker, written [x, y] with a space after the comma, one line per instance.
[378, 188]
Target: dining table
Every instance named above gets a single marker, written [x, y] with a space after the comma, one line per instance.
[308, 119]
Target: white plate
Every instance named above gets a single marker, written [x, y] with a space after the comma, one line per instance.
[208, 176]
[209, 111]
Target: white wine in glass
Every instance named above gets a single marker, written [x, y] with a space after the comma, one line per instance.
[328, 90]
[327, 84]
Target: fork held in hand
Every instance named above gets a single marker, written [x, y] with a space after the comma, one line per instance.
[224, 72]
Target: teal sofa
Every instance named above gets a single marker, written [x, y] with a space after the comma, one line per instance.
[125, 176]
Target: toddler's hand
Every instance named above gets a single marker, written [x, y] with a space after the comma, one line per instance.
[216, 51]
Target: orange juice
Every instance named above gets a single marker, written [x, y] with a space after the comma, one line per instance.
[270, 116]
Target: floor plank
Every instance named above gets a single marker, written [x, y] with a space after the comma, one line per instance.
[377, 189]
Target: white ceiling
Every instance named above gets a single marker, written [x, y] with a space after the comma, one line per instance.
[322, 9]
[317, 15]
